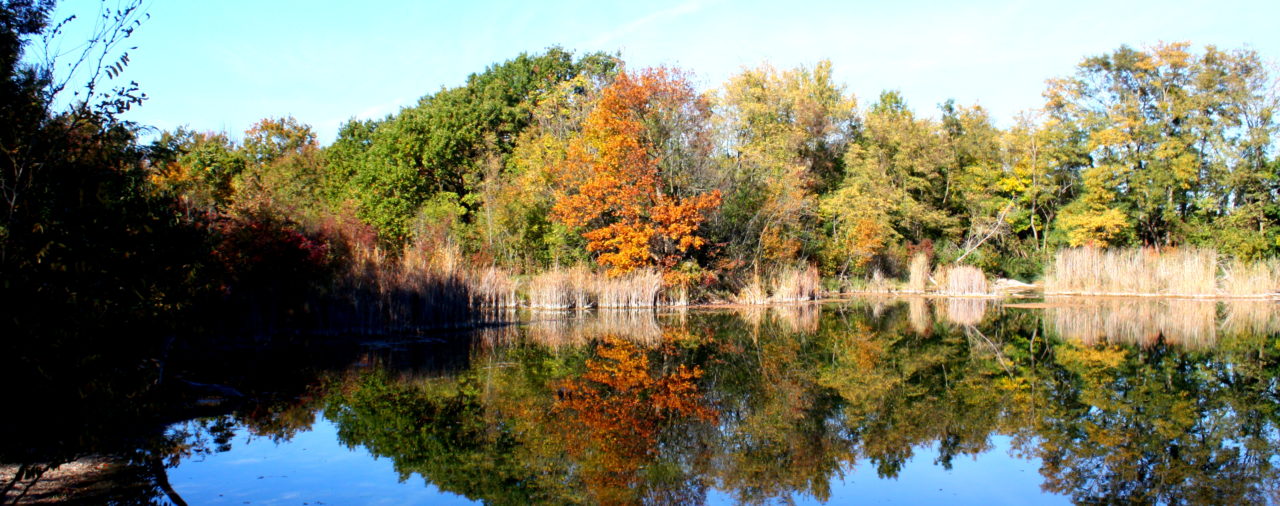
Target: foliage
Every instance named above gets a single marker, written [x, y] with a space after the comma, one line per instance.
[619, 183]
[786, 132]
[1175, 141]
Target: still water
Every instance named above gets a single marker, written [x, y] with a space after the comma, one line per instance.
[908, 401]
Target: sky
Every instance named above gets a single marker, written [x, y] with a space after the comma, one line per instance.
[221, 66]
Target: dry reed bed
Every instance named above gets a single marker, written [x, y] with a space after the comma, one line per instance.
[961, 280]
[1182, 272]
[579, 288]
[918, 274]
[792, 284]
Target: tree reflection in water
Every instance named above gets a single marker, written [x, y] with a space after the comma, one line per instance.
[1119, 402]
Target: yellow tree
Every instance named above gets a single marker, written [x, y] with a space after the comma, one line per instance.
[787, 131]
[625, 180]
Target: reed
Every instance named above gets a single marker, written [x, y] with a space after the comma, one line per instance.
[493, 288]
[1190, 272]
[378, 293]
[791, 284]
[639, 288]
[574, 288]
[796, 284]
[753, 293]
[962, 280]
[1250, 279]
[918, 273]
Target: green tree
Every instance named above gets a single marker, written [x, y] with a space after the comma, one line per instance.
[1173, 138]
[451, 139]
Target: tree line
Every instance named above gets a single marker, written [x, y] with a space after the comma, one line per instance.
[553, 159]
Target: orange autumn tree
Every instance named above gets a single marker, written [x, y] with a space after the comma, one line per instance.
[626, 180]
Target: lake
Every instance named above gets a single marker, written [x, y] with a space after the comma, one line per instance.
[887, 401]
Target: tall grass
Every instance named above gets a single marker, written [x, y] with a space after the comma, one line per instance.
[1250, 279]
[640, 288]
[493, 288]
[918, 274]
[754, 293]
[791, 284]
[961, 280]
[796, 284]
[562, 289]
[377, 292]
[1188, 272]
[580, 288]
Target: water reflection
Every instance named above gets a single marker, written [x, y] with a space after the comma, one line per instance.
[1111, 401]
[1187, 323]
[775, 405]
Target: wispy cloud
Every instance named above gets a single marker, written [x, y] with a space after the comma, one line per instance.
[683, 9]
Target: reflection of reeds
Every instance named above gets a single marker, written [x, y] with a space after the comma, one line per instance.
[1188, 323]
[802, 318]
[962, 311]
[640, 327]
[1251, 317]
[918, 315]
[1146, 271]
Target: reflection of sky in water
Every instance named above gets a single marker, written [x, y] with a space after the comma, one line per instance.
[994, 477]
[314, 468]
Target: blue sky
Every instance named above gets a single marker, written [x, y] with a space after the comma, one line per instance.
[221, 66]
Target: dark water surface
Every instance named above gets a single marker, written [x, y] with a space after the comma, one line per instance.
[957, 401]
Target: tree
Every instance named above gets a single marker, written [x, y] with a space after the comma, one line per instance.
[1172, 138]
[449, 140]
[786, 134]
[896, 186]
[620, 185]
[197, 168]
[285, 169]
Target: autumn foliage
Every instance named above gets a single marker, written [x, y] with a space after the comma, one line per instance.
[631, 214]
